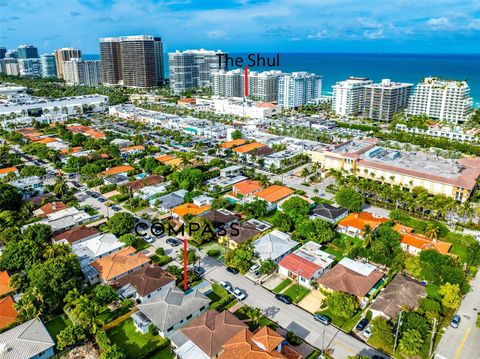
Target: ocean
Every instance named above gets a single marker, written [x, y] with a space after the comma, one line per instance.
[411, 68]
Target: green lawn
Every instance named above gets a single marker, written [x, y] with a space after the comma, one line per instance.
[334, 250]
[346, 324]
[285, 283]
[162, 354]
[107, 315]
[56, 325]
[118, 198]
[214, 245]
[135, 344]
[220, 298]
[296, 292]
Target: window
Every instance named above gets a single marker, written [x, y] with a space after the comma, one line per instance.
[169, 329]
[190, 316]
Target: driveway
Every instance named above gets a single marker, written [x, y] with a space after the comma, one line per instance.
[290, 317]
[463, 342]
[311, 303]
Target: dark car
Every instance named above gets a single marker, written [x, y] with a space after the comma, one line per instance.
[362, 324]
[455, 321]
[173, 241]
[101, 199]
[94, 195]
[199, 270]
[232, 270]
[284, 298]
[322, 319]
[116, 208]
[377, 357]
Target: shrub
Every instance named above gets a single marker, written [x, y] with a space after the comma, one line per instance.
[368, 316]
[213, 252]
[161, 260]
[160, 251]
[294, 339]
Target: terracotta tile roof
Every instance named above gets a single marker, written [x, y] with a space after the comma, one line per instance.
[75, 234]
[51, 207]
[149, 181]
[133, 148]
[4, 171]
[249, 147]
[5, 284]
[119, 263]
[164, 158]
[169, 160]
[420, 241]
[117, 170]
[8, 314]
[233, 143]
[187, 100]
[343, 279]
[246, 187]
[299, 265]
[274, 193]
[46, 140]
[360, 220]
[146, 280]
[244, 345]
[266, 105]
[70, 150]
[189, 208]
[212, 330]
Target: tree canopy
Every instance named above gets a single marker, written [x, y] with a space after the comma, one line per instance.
[350, 199]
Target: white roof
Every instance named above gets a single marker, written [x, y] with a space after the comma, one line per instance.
[361, 268]
[273, 245]
[96, 247]
[25, 340]
[190, 351]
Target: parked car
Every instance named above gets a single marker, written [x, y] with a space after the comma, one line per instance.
[173, 241]
[199, 270]
[94, 195]
[232, 270]
[368, 332]
[362, 324]
[254, 268]
[115, 208]
[284, 298]
[227, 286]
[322, 319]
[101, 199]
[149, 239]
[455, 322]
[239, 294]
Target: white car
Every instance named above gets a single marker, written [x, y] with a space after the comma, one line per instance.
[239, 294]
[368, 332]
[227, 286]
[254, 268]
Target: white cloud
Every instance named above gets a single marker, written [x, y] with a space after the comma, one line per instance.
[319, 35]
[374, 34]
[439, 22]
[474, 24]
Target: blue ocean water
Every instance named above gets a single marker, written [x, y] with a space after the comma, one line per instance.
[397, 67]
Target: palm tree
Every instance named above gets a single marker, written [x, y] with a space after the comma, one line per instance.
[86, 312]
[254, 314]
[433, 231]
[60, 188]
[305, 173]
[367, 236]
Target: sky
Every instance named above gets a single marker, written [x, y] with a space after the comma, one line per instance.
[388, 26]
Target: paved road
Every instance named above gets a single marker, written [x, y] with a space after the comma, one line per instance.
[463, 342]
[289, 316]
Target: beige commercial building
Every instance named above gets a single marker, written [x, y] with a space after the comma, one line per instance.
[454, 178]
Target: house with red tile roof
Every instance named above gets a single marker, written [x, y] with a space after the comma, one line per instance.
[354, 224]
[8, 314]
[273, 195]
[49, 208]
[306, 264]
[5, 288]
[414, 243]
[123, 170]
[351, 277]
[75, 235]
[5, 171]
[264, 343]
[246, 188]
[232, 144]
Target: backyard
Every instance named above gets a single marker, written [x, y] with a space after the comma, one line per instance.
[137, 345]
[214, 246]
[56, 325]
[262, 321]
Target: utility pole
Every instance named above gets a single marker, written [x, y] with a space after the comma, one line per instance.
[399, 323]
[433, 336]
[323, 339]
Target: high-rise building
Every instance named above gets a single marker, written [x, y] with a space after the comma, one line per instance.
[3, 65]
[111, 60]
[193, 68]
[3, 51]
[49, 68]
[261, 85]
[139, 68]
[27, 52]
[298, 88]
[11, 54]
[65, 54]
[135, 61]
[79, 72]
[446, 100]
[30, 67]
[349, 95]
[383, 99]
